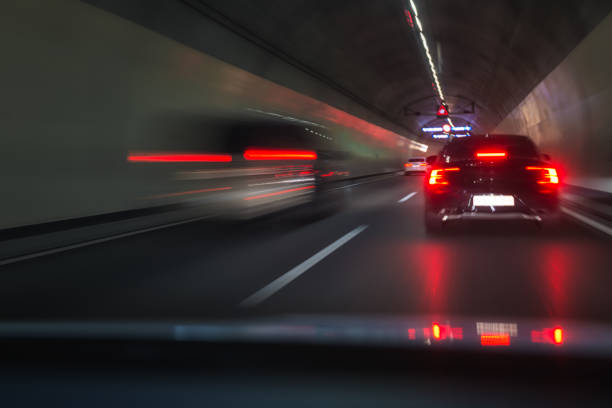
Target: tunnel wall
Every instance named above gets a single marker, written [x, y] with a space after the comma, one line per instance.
[80, 87]
[568, 113]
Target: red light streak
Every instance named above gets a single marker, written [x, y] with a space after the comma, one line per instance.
[457, 333]
[206, 190]
[277, 154]
[277, 193]
[412, 334]
[551, 336]
[294, 174]
[409, 18]
[331, 173]
[495, 339]
[491, 154]
[179, 158]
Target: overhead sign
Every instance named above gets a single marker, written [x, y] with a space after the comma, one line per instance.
[454, 129]
[442, 111]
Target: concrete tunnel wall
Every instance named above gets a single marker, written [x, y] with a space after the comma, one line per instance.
[80, 87]
[568, 114]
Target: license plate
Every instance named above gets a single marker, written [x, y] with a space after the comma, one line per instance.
[493, 201]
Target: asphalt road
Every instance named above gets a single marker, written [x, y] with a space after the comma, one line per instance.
[373, 257]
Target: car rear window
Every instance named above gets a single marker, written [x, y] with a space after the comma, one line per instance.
[514, 146]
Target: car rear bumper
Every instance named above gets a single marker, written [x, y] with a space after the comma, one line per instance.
[456, 207]
[492, 216]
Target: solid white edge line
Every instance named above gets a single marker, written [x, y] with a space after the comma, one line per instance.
[408, 197]
[595, 224]
[97, 241]
[280, 282]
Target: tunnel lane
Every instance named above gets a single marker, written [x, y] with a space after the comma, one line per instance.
[207, 269]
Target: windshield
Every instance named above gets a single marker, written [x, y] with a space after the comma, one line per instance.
[235, 161]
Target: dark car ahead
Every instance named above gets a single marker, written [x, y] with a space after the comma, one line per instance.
[491, 177]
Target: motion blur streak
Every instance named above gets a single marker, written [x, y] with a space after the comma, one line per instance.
[495, 339]
[412, 334]
[179, 157]
[261, 154]
[278, 193]
[432, 260]
[550, 174]
[548, 335]
[557, 266]
[457, 333]
[206, 190]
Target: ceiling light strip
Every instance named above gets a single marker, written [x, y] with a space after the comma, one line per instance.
[428, 54]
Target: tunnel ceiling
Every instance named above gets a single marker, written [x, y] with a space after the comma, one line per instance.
[492, 52]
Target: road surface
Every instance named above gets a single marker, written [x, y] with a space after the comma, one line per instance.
[372, 258]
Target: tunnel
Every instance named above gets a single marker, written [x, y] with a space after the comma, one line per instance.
[237, 160]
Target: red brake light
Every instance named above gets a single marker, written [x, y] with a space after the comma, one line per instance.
[408, 165]
[279, 154]
[435, 331]
[495, 339]
[437, 176]
[491, 155]
[558, 335]
[178, 157]
[549, 174]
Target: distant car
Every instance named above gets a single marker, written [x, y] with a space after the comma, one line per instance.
[491, 177]
[415, 165]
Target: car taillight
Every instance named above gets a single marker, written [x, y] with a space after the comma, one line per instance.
[438, 176]
[548, 175]
[558, 335]
[279, 154]
[408, 165]
[491, 155]
[436, 331]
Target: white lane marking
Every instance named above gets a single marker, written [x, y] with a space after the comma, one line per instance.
[97, 241]
[280, 282]
[595, 224]
[408, 197]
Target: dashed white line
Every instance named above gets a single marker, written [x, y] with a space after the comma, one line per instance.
[97, 241]
[408, 197]
[363, 182]
[280, 282]
[595, 224]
